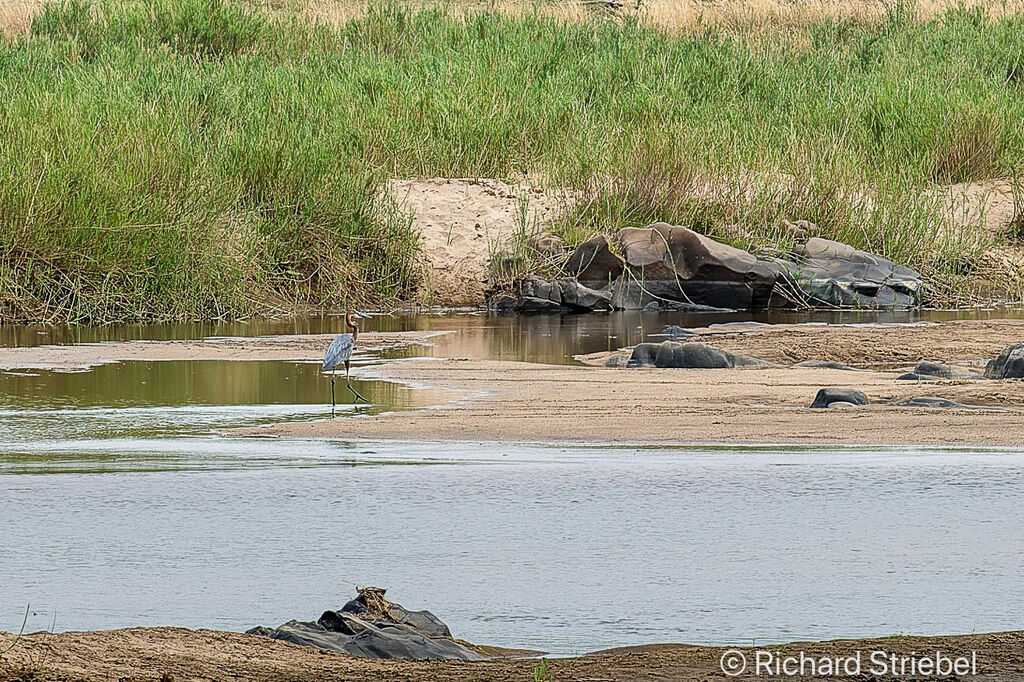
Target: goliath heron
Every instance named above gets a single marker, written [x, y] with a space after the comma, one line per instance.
[340, 351]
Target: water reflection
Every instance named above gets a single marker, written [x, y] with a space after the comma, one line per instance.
[193, 382]
[536, 338]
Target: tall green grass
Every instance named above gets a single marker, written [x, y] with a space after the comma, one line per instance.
[200, 158]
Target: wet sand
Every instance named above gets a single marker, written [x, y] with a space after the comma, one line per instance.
[199, 655]
[525, 402]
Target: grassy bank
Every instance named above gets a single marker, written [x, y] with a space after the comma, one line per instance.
[200, 158]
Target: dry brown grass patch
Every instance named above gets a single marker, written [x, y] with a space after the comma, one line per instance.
[748, 16]
[16, 16]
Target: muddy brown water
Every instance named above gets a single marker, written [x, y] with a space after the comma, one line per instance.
[120, 506]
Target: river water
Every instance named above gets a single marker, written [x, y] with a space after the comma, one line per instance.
[120, 506]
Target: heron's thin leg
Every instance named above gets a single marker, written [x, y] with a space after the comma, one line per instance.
[348, 381]
[332, 394]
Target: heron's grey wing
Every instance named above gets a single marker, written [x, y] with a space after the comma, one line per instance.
[338, 352]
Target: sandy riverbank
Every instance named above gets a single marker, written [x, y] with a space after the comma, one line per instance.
[515, 401]
[199, 655]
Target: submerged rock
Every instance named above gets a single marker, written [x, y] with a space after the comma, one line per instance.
[931, 371]
[1009, 364]
[676, 330]
[372, 627]
[824, 272]
[672, 354]
[939, 403]
[823, 364]
[828, 396]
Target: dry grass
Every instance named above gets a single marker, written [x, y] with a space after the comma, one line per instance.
[749, 17]
[16, 16]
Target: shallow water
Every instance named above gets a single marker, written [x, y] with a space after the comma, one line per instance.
[120, 506]
[555, 548]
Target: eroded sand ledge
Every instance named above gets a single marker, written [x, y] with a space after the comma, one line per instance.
[525, 402]
[180, 654]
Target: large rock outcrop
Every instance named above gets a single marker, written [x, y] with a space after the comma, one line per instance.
[672, 268]
[372, 627]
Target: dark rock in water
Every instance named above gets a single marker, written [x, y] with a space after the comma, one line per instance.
[677, 264]
[822, 364]
[504, 303]
[372, 627]
[532, 304]
[593, 263]
[543, 289]
[541, 295]
[747, 324]
[930, 371]
[825, 272]
[629, 294]
[676, 330]
[580, 297]
[1009, 364]
[671, 354]
[827, 396]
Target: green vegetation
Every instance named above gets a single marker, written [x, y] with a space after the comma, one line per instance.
[203, 158]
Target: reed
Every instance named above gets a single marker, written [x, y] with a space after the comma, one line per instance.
[207, 158]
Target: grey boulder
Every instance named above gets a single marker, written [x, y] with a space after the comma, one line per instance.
[827, 396]
[671, 354]
[371, 627]
[1009, 364]
[825, 272]
[539, 295]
